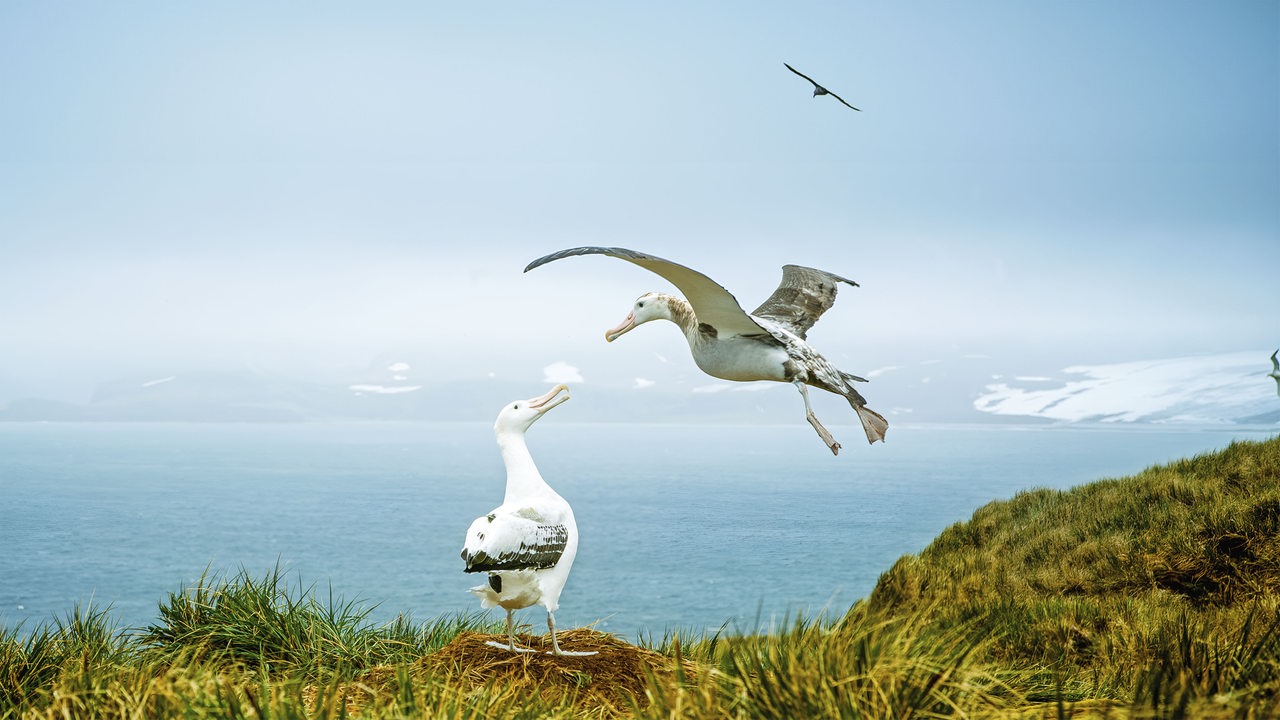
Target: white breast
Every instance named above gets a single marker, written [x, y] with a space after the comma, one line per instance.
[741, 359]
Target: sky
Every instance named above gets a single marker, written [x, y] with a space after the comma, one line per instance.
[308, 187]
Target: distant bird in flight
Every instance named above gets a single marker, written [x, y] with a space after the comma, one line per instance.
[728, 343]
[1275, 370]
[818, 89]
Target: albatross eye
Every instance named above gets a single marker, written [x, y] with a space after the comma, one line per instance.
[516, 406]
[640, 304]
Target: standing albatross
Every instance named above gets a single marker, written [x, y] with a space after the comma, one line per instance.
[727, 343]
[526, 544]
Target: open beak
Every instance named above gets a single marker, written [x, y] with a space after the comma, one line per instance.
[625, 327]
[544, 403]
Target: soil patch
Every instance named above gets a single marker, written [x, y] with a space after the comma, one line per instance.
[616, 676]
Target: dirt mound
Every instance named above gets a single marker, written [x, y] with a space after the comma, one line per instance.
[616, 676]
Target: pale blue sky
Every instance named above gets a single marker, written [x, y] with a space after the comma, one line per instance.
[312, 184]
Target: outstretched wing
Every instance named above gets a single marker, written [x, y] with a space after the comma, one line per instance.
[510, 542]
[842, 100]
[1275, 364]
[806, 77]
[801, 298]
[711, 303]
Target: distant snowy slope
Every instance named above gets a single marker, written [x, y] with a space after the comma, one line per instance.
[1224, 388]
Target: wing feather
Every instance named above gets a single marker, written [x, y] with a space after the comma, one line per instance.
[510, 542]
[711, 303]
[842, 100]
[806, 77]
[801, 298]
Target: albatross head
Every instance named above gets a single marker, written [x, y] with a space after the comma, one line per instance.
[519, 415]
[649, 306]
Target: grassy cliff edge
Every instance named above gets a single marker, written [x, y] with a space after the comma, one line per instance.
[1100, 585]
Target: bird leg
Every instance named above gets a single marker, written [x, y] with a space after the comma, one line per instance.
[813, 419]
[551, 625]
[511, 636]
[555, 644]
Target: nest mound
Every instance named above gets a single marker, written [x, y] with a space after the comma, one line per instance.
[615, 676]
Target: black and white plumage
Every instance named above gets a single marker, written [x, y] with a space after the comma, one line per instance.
[1275, 370]
[819, 90]
[728, 343]
[527, 544]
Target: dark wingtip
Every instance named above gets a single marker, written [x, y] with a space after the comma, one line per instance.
[539, 262]
[617, 252]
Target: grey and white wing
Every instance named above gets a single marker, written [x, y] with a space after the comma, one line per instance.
[510, 542]
[710, 301]
[801, 298]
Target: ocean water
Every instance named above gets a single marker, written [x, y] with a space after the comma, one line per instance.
[693, 527]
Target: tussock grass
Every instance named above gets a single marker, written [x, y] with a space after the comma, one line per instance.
[266, 625]
[1154, 596]
[1159, 588]
[857, 666]
[84, 643]
[1206, 530]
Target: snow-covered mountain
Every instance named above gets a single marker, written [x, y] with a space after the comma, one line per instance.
[1225, 388]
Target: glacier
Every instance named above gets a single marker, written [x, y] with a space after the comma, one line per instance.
[1207, 389]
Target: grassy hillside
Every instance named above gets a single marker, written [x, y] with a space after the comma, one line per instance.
[1204, 530]
[1155, 596]
[1100, 585]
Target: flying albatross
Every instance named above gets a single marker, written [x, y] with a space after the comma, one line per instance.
[526, 544]
[727, 343]
[819, 90]
[1275, 370]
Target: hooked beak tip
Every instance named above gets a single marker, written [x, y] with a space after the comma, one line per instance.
[625, 326]
[551, 399]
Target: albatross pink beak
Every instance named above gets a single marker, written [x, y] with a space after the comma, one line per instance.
[625, 327]
[544, 403]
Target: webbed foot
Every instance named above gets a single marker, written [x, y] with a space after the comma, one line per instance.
[505, 646]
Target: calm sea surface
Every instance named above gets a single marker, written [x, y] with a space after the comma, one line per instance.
[681, 526]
